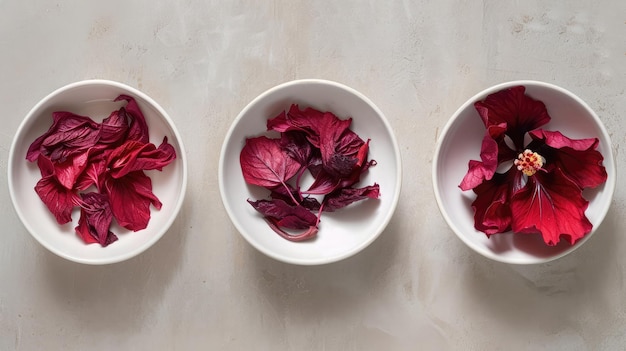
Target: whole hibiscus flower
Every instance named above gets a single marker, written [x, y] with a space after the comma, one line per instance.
[541, 191]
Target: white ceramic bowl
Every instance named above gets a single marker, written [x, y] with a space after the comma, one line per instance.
[342, 233]
[94, 98]
[460, 141]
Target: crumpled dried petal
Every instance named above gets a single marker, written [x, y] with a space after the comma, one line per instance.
[284, 214]
[492, 212]
[346, 196]
[480, 171]
[95, 219]
[58, 199]
[134, 156]
[130, 197]
[69, 134]
[138, 127]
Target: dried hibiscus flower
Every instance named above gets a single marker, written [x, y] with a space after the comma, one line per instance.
[78, 154]
[313, 141]
[542, 190]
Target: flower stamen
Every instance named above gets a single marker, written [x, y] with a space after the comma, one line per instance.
[529, 162]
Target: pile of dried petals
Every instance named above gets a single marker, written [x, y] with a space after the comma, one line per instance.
[77, 155]
[309, 140]
[542, 190]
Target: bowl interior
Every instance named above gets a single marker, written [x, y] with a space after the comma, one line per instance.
[93, 99]
[343, 233]
[461, 142]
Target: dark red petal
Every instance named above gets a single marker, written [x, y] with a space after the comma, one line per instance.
[130, 197]
[297, 146]
[265, 163]
[114, 128]
[138, 128]
[95, 219]
[552, 205]
[577, 158]
[285, 215]
[512, 106]
[68, 135]
[346, 196]
[492, 212]
[480, 171]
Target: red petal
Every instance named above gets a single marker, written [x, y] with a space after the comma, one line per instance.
[512, 106]
[135, 156]
[57, 198]
[68, 135]
[114, 128]
[69, 171]
[130, 197]
[264, 163]
[552, 205]
[577, 158]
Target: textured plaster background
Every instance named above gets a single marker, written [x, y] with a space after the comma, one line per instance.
[417, 287]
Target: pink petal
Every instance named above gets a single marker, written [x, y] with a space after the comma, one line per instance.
[552, 205]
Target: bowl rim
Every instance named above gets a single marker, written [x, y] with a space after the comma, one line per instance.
[609, 184]
[331, 259]
[32, 113]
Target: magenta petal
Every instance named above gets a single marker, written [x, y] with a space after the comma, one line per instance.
[95, 219]
[552, 205]
[130, 197]
[512, 106]
[577, 158]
